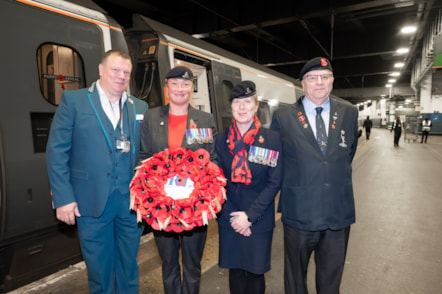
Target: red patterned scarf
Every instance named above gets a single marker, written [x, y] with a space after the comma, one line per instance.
[238, 147]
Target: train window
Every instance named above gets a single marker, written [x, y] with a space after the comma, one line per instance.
[227, 87]
[263, 113]
[195, 85]
[59, 68]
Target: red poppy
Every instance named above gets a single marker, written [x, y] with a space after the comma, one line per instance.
[192, 124]
[213, 169]
[164, 156]
[179, 156]
[201, 156]
[155, 166]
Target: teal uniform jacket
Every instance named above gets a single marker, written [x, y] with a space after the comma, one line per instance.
[80, 152]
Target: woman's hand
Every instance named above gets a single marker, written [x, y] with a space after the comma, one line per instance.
[240, 223]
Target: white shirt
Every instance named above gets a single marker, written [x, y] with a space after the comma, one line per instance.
[112, 110]
[310, 111]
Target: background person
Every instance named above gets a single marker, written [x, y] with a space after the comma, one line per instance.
[165, 128]
[91, 154]
[250, 158]
[316, 200]
[367, 126]
[397, 128]
[426, 127]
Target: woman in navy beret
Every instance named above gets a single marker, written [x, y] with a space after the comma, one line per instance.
[250, 158]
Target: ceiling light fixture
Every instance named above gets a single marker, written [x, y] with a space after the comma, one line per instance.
[388, 85]
[399, 64]
[402, 50]
[408, 29]
[391, 81]
[395, 74]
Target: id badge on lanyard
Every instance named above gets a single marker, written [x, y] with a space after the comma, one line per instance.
[123, 144]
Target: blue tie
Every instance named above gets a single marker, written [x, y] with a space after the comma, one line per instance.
[321, 135]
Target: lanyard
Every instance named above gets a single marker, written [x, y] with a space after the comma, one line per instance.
[121, 123]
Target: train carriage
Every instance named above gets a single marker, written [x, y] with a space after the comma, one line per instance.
[49, 46]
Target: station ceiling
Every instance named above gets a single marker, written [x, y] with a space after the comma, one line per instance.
[359, 37]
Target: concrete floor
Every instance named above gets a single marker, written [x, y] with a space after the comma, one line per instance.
[395, 246]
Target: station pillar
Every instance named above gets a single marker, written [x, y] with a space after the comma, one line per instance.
[425, 94]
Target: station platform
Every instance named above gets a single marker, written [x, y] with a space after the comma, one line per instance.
[395, 246]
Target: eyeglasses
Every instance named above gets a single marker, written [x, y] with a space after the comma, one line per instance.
[314, 78]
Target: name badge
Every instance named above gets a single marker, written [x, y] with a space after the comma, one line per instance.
[123, 145]
[263, 156]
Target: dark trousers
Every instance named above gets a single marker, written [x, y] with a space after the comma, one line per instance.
[244, 282]
[192, 247]
[397, 136]
[367, 133]
[330, 249]
[424, 136]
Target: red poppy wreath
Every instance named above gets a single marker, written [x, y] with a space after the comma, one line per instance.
[177, 190]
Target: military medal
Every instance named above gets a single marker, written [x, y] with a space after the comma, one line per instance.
[263, 156]
[199, 135]
[343, 144]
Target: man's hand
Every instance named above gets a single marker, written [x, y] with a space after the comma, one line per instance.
[67, 213]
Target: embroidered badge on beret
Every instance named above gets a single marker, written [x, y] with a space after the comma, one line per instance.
[243, 90]
[180, 72]
[316, 63]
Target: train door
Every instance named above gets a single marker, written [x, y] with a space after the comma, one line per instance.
[200, 68]
[224, 78]
[213, 84]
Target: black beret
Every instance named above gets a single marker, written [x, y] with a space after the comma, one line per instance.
[180, 72]
[316, 63]
[243, 90]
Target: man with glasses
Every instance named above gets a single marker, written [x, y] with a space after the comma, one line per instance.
[319, 136]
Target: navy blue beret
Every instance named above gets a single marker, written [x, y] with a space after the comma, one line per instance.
[180, 72]
[316, 63]
[243, 90]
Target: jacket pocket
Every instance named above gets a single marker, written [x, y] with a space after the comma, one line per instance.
[79, 174]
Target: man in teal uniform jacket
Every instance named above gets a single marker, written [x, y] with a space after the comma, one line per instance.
[91, 154]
